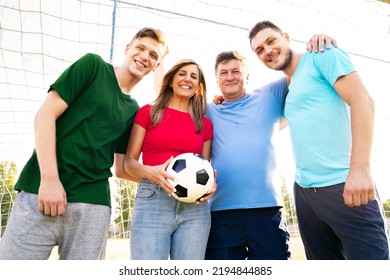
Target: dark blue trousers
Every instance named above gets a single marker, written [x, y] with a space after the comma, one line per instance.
[330, 230]
[253, 234]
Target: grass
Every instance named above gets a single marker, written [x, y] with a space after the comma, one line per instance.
[119, 249]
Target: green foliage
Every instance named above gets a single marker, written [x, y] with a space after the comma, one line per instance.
[386, 207]
[8, 171]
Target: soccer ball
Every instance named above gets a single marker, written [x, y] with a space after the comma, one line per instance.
[194, 176]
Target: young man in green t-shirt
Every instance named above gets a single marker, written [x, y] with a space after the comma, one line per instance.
[64, 194]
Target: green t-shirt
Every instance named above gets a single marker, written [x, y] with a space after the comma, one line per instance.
[94, 127]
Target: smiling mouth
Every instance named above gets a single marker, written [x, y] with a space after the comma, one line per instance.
[273, 57]
[231, 85]
[140, 64]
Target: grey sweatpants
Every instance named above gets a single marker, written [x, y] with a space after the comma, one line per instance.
[81, 233]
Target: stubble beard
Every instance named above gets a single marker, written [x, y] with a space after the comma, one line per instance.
[287, 61]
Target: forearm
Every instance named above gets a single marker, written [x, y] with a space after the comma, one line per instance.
[126, 176]
[359, 188]
[136, 170]
[45, 145]
[354, 93]
[362, 122]
[120, 168]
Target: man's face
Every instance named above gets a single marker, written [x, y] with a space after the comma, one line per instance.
[143, 55]
[231, 77]
[272, 48]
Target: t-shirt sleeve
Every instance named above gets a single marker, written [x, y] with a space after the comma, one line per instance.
[76, 77]
[333, 64]
[143, 116]
[208, 129]
[277, 88]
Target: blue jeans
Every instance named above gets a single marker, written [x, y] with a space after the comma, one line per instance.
[164, 228]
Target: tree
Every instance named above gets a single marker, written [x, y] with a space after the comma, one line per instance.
[8, 171]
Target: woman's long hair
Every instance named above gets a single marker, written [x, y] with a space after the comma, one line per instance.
[197, 103]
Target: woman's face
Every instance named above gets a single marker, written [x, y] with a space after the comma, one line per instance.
[186, 81]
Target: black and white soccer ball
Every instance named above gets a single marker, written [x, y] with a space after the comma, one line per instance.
[194, 176]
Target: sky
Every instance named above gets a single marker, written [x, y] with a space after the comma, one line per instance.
[39, 39]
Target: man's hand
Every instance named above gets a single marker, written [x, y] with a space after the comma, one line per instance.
[52, 198]
[218, 99]
[210, 194]
[317, 42]
[359, 188]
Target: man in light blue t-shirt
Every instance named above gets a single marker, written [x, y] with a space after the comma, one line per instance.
[331, 120]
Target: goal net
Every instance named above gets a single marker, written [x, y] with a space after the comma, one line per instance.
[40, 38]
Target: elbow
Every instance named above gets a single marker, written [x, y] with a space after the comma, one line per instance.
[363, 102]
[119, 170]
[126, 163]
[119, 173]
[369, 103]
[124, 172]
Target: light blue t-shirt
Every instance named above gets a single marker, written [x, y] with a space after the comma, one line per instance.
[319, 119]
[243, 150]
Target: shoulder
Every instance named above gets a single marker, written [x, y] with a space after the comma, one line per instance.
[143, 115]
[329, 54]
[211, 107]
[145, 108]
[91, 57]
[206, 120]
[330, 64]
[89, 62]
[281, 81]
[277, 85]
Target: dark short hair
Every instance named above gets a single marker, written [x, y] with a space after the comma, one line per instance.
[262, 25]
[226, 56]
